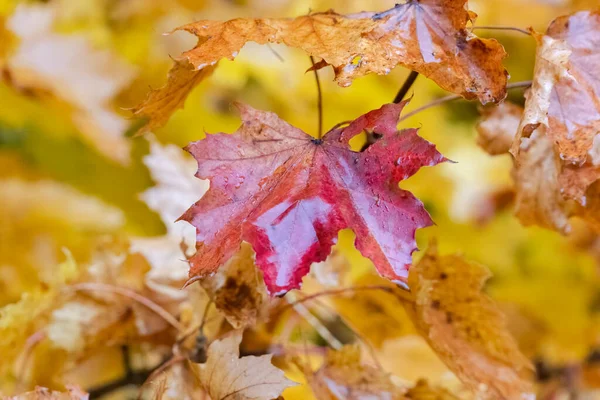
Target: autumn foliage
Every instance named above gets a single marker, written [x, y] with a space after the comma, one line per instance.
[279, 262]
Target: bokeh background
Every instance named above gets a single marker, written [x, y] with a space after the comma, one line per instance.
[71, 175]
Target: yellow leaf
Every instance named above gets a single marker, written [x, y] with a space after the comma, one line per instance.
[465, 327]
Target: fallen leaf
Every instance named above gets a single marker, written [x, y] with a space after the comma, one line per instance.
[21, 320]
[238, 290]
[558, 135]
[427, 36]
[539, 199]
[84, 77]
[465, 327]
[161, 103]
[42, 393]
[227, 376]
[344, 377]
[497, 127]
[176, 188]
[289, 194]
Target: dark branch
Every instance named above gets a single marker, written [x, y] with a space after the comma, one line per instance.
[406, 86]
[319, 98]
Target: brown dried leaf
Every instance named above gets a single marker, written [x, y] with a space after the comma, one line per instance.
[557, 147]
[344, 377]
[498, 127]
[238, 289]
[86, 78]
[161, 103]
[564, 95]
[226, 376]
[539, 199]
[465, 327]
[427, 36]
[42, 393]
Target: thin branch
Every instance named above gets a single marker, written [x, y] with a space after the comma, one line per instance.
[319, 98]
[412, 77]
[340, 124]
[503, 28]
[102, 287]
[360, 337]
[314, 322]
[453, 97]
[402, 296]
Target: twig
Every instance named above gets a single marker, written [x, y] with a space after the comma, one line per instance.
[102, 287]
[402, 296]
[453, 97]
[439, 101]
[319, 98]
[314, 322]
[503, 28]
[412, 77]
[361, 338]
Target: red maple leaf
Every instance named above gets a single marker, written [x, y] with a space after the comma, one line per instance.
[289, 194]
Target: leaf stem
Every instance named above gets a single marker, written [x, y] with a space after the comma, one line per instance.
[412, 77]
[453, 97]
[319, 98]
[503, 28]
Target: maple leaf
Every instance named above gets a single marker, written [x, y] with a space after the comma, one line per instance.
[227, 376]
[427, 36]
[465, 327]
[557, 140]
[289, 194]
[84, 77]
